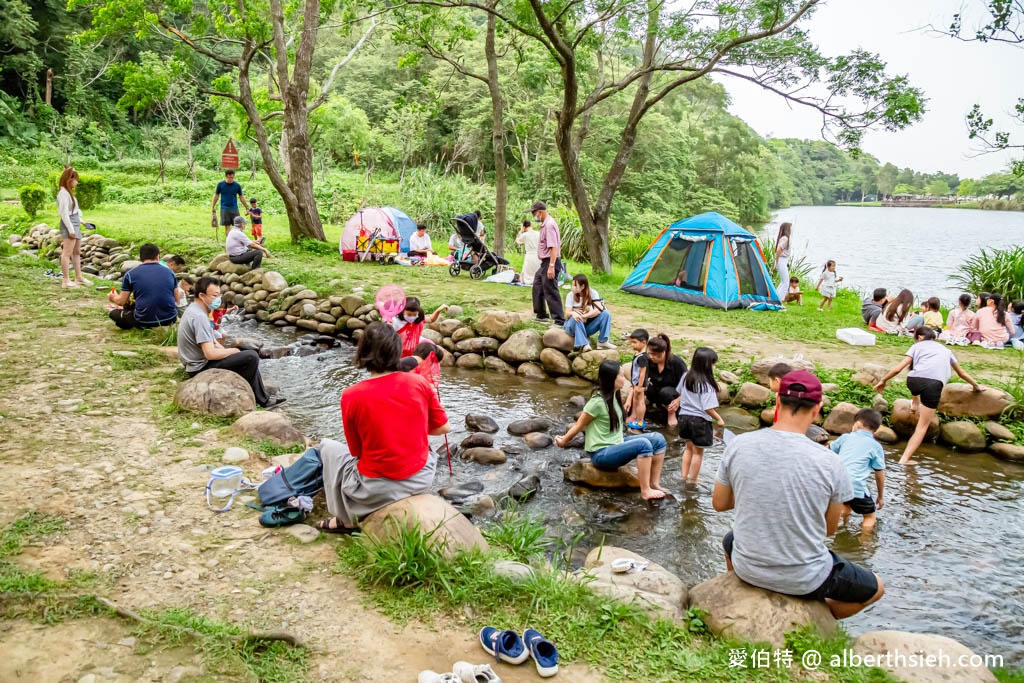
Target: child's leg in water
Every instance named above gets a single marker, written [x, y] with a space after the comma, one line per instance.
[694, 469]
[869, 522]
[687, 459]
[847, 511]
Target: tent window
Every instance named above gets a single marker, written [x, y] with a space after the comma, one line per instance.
[681, 264]
[748, 268]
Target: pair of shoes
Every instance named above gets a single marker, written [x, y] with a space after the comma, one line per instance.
[507, 646]
[605, 346]
[274, 402]
[462, 672]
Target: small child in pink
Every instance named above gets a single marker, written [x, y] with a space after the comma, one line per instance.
[959, 323]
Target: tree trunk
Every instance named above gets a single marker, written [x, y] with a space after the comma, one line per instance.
[497, 134]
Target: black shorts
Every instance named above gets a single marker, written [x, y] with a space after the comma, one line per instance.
[847, 582]
[228, 216]
[930, 390]
[696, 429]
[862, 506]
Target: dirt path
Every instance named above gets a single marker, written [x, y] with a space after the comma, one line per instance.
[83, 443]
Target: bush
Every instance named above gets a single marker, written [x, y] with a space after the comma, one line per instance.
[628, 250]
[89, 192]
[999, 270]
[32, 198]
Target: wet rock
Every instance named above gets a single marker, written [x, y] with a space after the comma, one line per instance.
[752, 395]
[959, 400]
[903, 422]
[739, 611]
[484, 456]
[555, 362]
[215, 392]
[479, 345]
[324, 340]
[1007, 451]
[817, 434]
[538, 440]
[584, 472]
[578, 401]
[497, 324]
[235, 455]
[964, 436]
[476, 422]
[461, 492]
[532, 424]
[891, 650]
[739, 419]
[478, 439]
[656, 590]
[303, 351]
[350, 303]
[303, 532]
[531, 371]
[577, 442]
[274, 281]
[557, 339]
[471, 361]
[842, 417]
[517, 571]
[524, 345]
[483, 507]
[870, 374]
[998, 432]
[462, 334]
[760, 368]
[728, 377]
[495, 364]
[247, 344]
[431, 515]
[586, 364]
[886, 435]
[268, 425]
[575, 382]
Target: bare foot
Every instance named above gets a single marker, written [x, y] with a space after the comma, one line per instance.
[68, 285]
[83, 281]
[908, 462]
[652, 494]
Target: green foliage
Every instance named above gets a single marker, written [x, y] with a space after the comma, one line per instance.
[89, 192]
[32, 198]
[521, 536]
[998, 270]
[29, 527]
[629, 249]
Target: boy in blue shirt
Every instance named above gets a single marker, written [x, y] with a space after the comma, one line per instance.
[256, 217]
[861, 455]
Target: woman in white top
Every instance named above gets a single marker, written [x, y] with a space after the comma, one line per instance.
[782, 258]
[70, 228]
[586, 316]
[529, 238]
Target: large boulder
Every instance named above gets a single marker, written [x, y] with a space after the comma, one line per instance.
[870, 374]
[1007, 451]
[999, 432]
[656, 590]
[815, 434]
[903, 422]
[892, 651]
[586, 364]
[752, 395]
[266, 425]
[959, 400]
[531, 371]
[558, 339]
[478, 440]
[470, 361]
[484, 456]
[584, 472]
[555, 362]
[538, 440]
[447, 327]
[497, 324]
[479, 345]
[524, 345]
[760, 368]
[274, 281]
[739, 611]
[216, 392]
[886, 435]
[350, 303]
[432, 516]
[531, 424]
[962, 435]
[842, 417]
[495, 364]
[462, 334]
[737, 418]
[481, 423]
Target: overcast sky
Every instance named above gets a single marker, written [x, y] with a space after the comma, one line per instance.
[954, 75]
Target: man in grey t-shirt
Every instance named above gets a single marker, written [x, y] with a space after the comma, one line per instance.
[788, 493]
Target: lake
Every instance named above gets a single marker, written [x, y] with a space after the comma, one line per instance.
[896, 248]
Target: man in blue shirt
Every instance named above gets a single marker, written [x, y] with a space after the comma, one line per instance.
[228, 192]
[153, 286]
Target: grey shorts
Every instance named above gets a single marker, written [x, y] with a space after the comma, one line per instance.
[75, 233]
[228, 216]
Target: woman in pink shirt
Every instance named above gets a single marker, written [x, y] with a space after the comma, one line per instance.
[959, 323]
[991, 321]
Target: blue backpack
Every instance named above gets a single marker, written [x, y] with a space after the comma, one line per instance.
[282, 494]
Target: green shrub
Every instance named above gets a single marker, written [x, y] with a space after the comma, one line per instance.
[89, 192]
[628, 250]
[32, 198]
[999, 270]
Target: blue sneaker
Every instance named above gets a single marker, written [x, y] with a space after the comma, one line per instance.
[544, 652]
[504, 646]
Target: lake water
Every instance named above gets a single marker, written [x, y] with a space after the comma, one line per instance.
[896, 248]
[947, 544]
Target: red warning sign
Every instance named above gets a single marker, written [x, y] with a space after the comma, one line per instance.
[229, 157]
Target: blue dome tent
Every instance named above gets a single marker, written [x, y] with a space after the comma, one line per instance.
[705, 260]
[405, 226]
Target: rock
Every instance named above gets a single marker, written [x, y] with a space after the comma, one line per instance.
[999, 432]
[471, 361]
[447, 327]
[483, 507]
[274, 281]
[739, 611]
[497, 324]
[355, 324]
[558, 339]
[462, 334]
[964, 436]
[517, 571]
[268, 425]
[524, 489]
[728, 377]
[737, 418]
[656, 590]
[481, 423]
[431, 515]
[555, 362]
[538, 440]
[432, 335]
[303, 532]
[524, 345]
[461, 492]
[531, 371]
[1007, 451]
[454, 312]
[904, 423]
[578, 402]
[215, 392]
[886, 435]
[584, 472]
[829, 388]
[364, 311]
[768, 416]
[485, 456]
[752, 395]
[478, 439]
[586, 364]
[495, 364]
[532, 424]
[761, 367]
[892, 651]
[880, 405]
[959, 400]
[817, 434]
[235, 455]
[841, 419]
[350, 303]
[479, 345]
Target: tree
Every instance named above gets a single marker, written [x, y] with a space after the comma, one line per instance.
[632, 54]
[229, 43]
[938, 188]
[887, 179]
[904, 188]
[967, 188]
[868, 181]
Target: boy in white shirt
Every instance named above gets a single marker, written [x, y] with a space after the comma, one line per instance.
[419, 242]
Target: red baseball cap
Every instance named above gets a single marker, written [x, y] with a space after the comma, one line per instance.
[801, 384]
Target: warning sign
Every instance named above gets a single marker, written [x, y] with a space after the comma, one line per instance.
[229, 158]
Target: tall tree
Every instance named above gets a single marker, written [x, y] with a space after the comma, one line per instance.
[887, 178]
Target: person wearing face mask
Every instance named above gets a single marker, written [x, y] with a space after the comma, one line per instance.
[199, 349]
[409, 325]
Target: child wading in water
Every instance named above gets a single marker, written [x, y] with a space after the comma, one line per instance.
[862, 455]
[636, 403]
[827, 285]
[698, 398]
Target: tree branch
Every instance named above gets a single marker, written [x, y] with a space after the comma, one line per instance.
[192, 43]
[521, 28]
[325, 90]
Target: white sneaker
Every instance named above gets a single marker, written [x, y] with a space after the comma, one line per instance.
[434, 677]
[605, 346]
[475, 673]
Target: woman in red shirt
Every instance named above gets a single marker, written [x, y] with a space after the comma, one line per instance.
[387, 419]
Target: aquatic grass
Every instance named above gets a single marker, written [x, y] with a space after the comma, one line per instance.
[996, 270]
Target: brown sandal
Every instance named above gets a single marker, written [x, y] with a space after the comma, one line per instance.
[324, 525]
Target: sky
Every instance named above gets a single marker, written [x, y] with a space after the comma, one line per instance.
[954, 76]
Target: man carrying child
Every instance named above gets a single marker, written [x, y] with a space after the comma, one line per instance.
[862, 455]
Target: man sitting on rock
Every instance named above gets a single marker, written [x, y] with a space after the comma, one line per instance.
[788, 493]
[199, 349]
[153, 287]
[241, 249]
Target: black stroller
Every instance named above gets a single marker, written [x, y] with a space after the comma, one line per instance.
[474, 255]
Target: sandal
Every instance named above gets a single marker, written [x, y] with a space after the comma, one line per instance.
[638, 426]
[324, 525]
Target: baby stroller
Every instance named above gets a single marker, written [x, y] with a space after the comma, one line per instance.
[474, 255]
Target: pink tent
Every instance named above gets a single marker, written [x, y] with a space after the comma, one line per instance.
[369, 219]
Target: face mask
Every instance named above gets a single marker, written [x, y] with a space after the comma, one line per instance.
[411, 319]
[215, 304]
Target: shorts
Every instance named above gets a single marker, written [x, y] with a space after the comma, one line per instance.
[257, 230]
[696, 429]
[862, 506]
[847, 582]
[74, 233]
[228, 216]
[930, 390]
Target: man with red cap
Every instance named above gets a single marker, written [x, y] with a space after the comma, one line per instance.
[788, 493]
